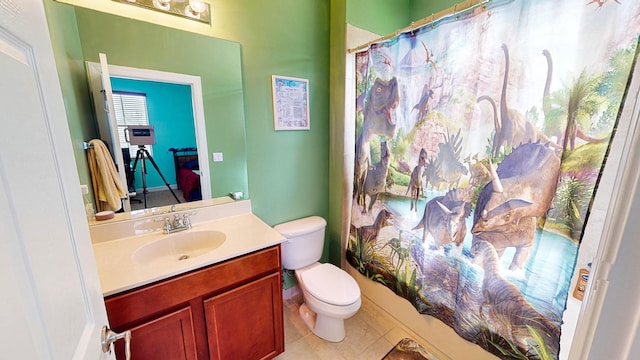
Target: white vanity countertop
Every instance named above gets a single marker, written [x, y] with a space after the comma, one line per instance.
[118, 271]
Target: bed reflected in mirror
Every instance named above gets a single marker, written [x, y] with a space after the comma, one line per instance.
[187, 180]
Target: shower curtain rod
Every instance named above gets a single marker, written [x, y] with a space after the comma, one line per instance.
[452, 11]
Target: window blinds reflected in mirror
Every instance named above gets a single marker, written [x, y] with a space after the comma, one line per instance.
[130, 109]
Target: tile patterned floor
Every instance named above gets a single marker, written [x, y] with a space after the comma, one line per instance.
[370, 335]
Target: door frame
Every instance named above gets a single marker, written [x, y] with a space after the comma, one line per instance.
[197, 102]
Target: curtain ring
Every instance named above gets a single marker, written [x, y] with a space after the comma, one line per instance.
[433, 21]
[454, 12]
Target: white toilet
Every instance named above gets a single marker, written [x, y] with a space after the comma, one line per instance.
[330, 294]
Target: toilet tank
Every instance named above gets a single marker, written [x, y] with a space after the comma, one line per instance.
[305, 241]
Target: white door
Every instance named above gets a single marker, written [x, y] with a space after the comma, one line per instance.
[102, 94]
[52, 306]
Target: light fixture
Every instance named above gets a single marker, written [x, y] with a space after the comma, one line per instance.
[191, 9]
[162, 4]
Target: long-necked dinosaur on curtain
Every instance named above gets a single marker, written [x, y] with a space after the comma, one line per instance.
[480, 140]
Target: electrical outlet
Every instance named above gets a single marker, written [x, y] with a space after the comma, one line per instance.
[84, 189]
[217, 157]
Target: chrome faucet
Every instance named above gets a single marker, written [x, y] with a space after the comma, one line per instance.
[178, 224]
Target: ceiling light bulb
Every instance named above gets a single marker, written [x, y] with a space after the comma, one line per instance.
[162, 4]
[197, 6]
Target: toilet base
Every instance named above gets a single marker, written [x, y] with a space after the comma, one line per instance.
[308, 316]
[327, 328]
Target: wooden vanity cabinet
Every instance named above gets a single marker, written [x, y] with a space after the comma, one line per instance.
[243, 313]
[229, 310]
[171, 336]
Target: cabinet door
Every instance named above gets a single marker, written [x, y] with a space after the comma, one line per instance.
[246, 323]
[168, 337]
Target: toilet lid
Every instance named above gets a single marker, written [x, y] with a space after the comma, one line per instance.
[330, 284]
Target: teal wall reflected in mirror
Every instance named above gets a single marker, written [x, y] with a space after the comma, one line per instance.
[171, 115]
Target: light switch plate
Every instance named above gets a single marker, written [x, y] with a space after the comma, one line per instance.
[217, 157]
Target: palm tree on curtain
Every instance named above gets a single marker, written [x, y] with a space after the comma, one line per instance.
[614, 84]
[581, 100]
[589, 95]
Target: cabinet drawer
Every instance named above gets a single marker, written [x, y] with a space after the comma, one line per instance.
[137, 305]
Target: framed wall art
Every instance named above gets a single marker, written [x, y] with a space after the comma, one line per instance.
[290, 103]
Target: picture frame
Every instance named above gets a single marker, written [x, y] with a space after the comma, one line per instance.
[290, 103]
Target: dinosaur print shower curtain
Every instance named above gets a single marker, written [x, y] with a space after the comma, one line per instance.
[480, 139]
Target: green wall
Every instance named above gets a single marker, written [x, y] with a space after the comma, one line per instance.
[422, 8]
[387, 16]
[73, 82]
[379, 16]
[288, 170]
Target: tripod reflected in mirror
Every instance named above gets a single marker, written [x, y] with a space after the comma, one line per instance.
[141, 155]
[126, 159]
[142, 135]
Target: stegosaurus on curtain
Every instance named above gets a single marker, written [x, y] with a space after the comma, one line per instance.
[480, 139]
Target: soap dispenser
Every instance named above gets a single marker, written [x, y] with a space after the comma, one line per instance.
[581, 285]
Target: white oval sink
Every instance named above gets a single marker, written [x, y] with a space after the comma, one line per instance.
[179, 246]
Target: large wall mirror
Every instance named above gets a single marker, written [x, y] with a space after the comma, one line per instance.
[130, 43]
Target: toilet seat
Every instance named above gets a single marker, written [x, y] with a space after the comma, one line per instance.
[330, 284]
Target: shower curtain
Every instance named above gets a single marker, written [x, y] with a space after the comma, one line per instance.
[480, 139]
